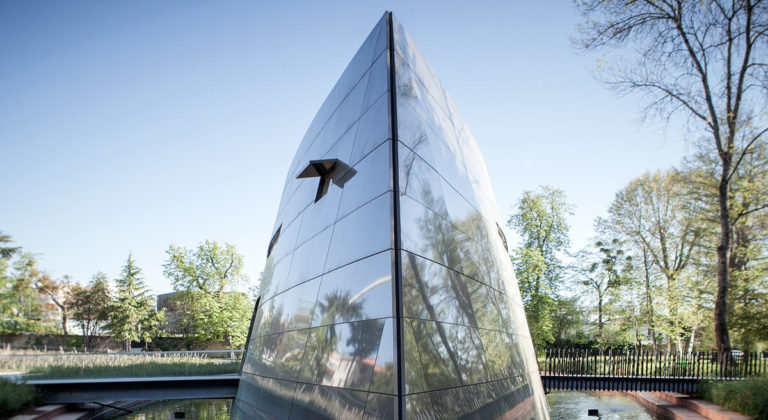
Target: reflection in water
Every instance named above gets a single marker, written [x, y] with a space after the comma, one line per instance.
[213, 409]
[572, 405]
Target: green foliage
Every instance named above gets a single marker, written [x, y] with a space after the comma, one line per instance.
[6, 252]
[204, 317]
[103, 365]
[89, 306]
[749, 396]
[209, 267]
[207, 303]
[132, 315]
[14, 397]
[540, 219]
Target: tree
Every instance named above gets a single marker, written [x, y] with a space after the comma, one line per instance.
[541, 222]
[132, 315]
[653, 213]
[90, 307]
[6, 252]
[603, 269]
[25, 309]
[567, 320]
[748, 263]
[206, 279]
[57, 291]
[707, 59]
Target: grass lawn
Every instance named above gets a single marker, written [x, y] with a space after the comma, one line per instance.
[118, 365]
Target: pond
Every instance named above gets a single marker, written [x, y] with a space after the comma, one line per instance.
[610, 405]
[570, 405]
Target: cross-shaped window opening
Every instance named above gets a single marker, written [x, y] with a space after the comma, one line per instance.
[324, 170]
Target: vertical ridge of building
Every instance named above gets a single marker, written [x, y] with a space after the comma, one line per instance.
[397, 274]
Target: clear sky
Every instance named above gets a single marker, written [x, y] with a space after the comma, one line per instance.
[128, 126]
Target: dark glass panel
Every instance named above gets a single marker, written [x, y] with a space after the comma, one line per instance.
[487, 309]
[428, 234]
[297, 305]
[346, 114]
[322, 402]
[440, 360]
[342, 355]
[452, 355]
[342, 149]
[279, 355]
[368, 179]
[419, 181]
[385, 372]
[303, 196]
[501, 354]
[414, 372]
[380, 407]
[286, 243]
[321, 214]
[363, 232]
[378, 80]
[445, 404]
[419, 406]
[361, 290]
[431, 291]
[309, 258]
[476, 401]
[256, 399]
[372, 129]
[275, 277]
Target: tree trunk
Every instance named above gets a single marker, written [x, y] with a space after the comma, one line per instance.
[722, 339]
[64, 323]
[127, 344]
[600, 320]
[692, 339]
[649, 299]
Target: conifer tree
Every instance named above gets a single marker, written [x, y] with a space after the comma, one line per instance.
[133, 315]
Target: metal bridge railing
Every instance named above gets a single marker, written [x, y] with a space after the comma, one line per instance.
[653, 364]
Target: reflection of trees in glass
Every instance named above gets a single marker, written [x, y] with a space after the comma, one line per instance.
[363, 336]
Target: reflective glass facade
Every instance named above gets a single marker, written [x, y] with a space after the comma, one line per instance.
[388, 291]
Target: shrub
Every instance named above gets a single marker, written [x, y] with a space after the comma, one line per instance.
[14, 397]
[748, 396]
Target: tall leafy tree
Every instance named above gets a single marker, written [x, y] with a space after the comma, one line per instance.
[748, 263]
[706, 59]
[541, 221]
[206, 280]
[654, 214]
[602, 269]
[133, 316]
[25, 309]
[90, 307]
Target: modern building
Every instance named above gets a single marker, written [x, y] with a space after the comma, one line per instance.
[388, 290]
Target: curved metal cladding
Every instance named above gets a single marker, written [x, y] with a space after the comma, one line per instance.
[388, 291]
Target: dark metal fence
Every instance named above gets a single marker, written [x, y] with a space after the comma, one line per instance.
[644, 370]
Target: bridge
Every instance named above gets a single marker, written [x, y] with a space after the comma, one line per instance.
[61, 391]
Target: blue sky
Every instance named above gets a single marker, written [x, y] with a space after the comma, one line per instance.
[128, 126]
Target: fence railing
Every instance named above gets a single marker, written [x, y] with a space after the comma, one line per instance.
[652, 364]
[29, 366]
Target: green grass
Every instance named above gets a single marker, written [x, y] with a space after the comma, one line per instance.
[749, 396]
[14, 397]
[145, 369]
[118, 366]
